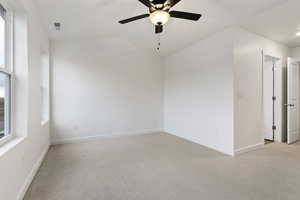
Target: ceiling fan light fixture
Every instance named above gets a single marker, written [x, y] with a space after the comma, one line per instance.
[159, 13]
[159, 17]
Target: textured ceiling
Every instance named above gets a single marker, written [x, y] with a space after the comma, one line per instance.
[98, 18]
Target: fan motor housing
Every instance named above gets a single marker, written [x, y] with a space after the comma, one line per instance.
[160, 5]
[158, 1]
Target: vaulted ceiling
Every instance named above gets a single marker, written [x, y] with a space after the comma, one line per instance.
[98, 18]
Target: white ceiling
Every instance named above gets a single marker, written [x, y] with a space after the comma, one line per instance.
[99, 18]
[279, 24]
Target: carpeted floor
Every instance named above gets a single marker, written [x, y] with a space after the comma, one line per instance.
[165, 167]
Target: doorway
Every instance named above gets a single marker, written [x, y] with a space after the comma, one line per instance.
[272, 98]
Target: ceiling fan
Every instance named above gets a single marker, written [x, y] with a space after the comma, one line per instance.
[160, 13]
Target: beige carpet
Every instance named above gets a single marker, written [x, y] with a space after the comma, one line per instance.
[164, 167]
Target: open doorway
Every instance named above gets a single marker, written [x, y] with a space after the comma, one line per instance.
[273, 113]
[272, 98]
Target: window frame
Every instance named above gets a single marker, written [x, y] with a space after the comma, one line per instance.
[8, 68]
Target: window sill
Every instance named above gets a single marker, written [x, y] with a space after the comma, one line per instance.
[10, 144]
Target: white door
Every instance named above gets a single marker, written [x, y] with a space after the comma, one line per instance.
[292, 101]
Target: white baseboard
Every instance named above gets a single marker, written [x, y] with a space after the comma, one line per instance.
[99, 137]
[249, 148]
[32, 174]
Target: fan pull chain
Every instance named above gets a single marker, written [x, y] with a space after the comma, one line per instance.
[158, 42]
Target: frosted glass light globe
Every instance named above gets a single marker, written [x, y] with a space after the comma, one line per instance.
[159, 17]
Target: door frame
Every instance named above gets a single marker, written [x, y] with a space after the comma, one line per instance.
[278, 105]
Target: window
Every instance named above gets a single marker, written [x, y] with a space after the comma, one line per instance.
[4, 104]
[45, 87]
[5, 73]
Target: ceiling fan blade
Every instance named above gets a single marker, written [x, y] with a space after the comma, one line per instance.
[146, 3]
[133, 19]
[158, 29]
[185, 15]
[173, 2]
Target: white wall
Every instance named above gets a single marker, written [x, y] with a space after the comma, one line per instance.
[213, 90]
[248, 107]
[296, 53]
[104, 88]
[198, 103]
[19, 158]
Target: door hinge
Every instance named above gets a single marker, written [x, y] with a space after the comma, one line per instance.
[274, 98]
[273, 127]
